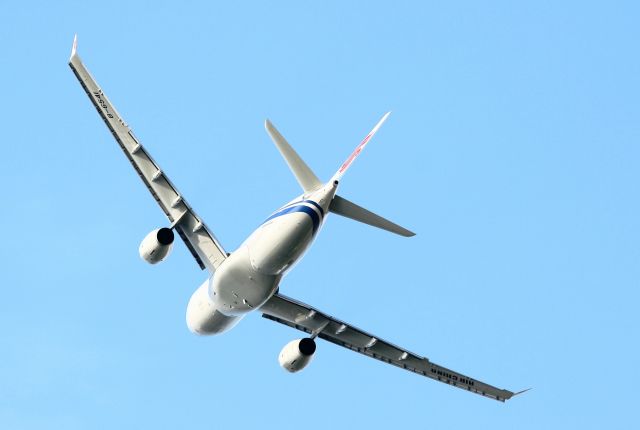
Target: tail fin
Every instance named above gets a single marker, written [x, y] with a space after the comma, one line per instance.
[344, 207]
[310, 182]
[359, 149]
[305, 176]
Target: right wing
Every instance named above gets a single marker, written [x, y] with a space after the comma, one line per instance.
[203, 245]
[303, 317]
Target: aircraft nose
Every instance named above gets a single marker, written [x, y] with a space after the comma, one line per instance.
[202, 316]
[194, 323]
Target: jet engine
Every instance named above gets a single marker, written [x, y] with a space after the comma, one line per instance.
[297, 354]
[157, 245]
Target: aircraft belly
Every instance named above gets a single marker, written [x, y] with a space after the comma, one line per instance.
[203, 317]
[279, 243]
[237, 288]
[250, 275]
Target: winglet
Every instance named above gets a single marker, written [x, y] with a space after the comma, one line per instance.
[521, 392]
[74, 47]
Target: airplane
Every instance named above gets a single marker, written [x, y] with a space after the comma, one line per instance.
[248, 279]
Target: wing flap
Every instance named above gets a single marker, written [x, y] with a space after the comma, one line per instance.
[303, 317]
[199, 240]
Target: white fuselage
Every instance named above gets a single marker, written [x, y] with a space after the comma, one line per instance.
[251, 274]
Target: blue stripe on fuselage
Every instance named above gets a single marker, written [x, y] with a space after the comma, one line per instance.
[316, 205]
[315, 219]
[311, 202]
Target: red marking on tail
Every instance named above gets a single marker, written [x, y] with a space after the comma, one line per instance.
[354, 154]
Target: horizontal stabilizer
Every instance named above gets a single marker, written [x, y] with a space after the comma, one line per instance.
[344, 207]
[305, 176]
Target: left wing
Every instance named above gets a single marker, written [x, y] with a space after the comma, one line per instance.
[203, 245]
[303, 317]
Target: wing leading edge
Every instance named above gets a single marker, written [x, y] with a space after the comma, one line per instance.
[203, 245]
[303, 317]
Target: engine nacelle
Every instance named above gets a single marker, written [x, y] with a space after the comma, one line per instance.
[297, 354]
[157, 245]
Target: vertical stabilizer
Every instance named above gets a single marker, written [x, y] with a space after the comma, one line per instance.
[341, 206]
[305, 176]
[359, 149]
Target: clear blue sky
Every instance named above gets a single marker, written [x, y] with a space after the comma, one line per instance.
[512, 151]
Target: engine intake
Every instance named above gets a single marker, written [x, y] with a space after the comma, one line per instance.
[297, 354]
[157, 245]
